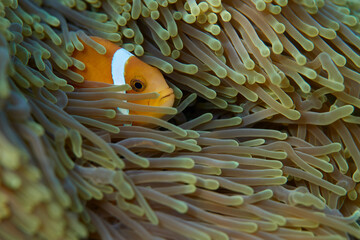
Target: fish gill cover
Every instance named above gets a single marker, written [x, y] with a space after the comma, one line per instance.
[262, 142]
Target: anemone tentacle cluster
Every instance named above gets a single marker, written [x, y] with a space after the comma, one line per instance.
[262, 142]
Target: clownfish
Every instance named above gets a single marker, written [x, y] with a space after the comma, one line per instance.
[118, 66]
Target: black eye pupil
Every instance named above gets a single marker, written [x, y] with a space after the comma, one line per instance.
[138, 85]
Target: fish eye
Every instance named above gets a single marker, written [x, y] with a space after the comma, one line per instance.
[137, 85]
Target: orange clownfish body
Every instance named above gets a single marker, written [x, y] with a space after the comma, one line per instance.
[118, 66]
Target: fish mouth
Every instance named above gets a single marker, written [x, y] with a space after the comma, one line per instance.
[169, 95]
[166, 97]
[166, 93]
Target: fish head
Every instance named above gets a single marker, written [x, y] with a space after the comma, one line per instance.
[144, 78]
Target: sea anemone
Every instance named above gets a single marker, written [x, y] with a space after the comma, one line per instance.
[262, 142]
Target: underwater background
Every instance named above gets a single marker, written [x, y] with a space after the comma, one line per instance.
[262, 142]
